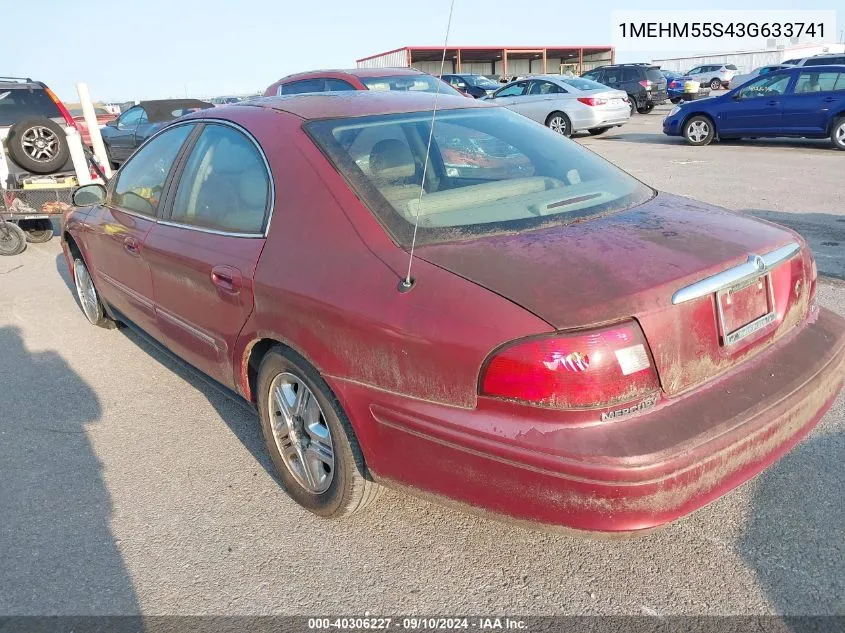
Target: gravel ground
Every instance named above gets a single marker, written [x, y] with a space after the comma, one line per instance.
[130, 484]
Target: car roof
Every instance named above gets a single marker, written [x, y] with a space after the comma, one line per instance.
[355, 103]
[352, 72]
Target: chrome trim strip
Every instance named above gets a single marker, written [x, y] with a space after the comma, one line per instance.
[196, 333]
[203, 229]
[755, 266]
[127, 291]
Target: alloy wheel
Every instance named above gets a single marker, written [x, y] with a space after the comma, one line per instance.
[839, 135]
[698, 131]
[86, 292]
[40, 143]
[558, 124]
[301, 433]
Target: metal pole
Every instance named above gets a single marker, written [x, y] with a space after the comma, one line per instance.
[93, 127]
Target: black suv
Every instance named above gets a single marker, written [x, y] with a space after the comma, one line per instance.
[644, 83]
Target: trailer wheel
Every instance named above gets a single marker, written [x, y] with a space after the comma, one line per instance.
[12, 239]
[38, 231]
[38, 144]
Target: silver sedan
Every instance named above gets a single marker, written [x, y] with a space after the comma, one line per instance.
[566, 104]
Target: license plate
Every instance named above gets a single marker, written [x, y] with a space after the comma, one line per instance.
[745, 308]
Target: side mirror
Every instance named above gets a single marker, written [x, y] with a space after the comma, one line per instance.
[736, 96]
[88, 195]
[112, 123]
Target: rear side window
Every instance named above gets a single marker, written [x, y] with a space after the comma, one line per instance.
[301, 87]
[225, 185]
[338, 84]
[840, 83]
[141, 181]
[816, 82]
[18, 103]
[730, 67]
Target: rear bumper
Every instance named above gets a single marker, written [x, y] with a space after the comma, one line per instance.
[593, 117]
[619, 476]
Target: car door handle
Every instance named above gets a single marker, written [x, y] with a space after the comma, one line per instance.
[132, 246]
[773, 103]
[829, 99]
[227, 278]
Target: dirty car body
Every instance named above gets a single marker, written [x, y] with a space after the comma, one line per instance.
[576, 349]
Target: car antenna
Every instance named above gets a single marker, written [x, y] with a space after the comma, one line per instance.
[408, 282]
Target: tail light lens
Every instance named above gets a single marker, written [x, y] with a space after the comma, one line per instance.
[585, 369]
[645, 83]
[62, 109]
[592, 101]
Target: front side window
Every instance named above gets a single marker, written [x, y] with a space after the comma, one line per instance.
[768, 86]
[514, 90]
[225, 185]
[816, 82]
[490, 170]
[141, 181]
[129, 120]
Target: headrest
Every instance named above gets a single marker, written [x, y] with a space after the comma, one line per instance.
[391, 160]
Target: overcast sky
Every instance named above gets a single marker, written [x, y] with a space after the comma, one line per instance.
[132, 49]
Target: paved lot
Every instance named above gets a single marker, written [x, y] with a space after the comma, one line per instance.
[128, 483]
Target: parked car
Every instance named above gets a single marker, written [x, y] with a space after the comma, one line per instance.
[103, 117]
[566, 104]
[797, 101]
[555, 356]
[644, 84]
[380, 79]
[824, 59]
[738, 80]
[682, 88]
[474, 85]
[714, 75]
[124, 135]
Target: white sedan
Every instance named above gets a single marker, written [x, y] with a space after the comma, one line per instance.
[566, 104]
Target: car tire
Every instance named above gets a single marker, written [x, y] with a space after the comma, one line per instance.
[336, 483]
[632, 103]
[12, 239]
[837, 133]
[38, 145]
[646, 108]
[87, 296]
[38, 231]
[560, 123]
[699, 130]
[715, 84]
[595, 131]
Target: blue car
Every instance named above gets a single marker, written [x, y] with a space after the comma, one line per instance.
[801, 102]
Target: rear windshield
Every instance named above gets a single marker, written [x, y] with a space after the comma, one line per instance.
[490, 171]
[654, 74]
[415, 83]
[480, 81]
[17, 103]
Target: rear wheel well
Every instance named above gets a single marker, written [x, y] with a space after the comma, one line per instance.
[253, 364]
[834, 119]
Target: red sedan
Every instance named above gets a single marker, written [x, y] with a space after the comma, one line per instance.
[377, 79]
[103, 117]
[574, 349]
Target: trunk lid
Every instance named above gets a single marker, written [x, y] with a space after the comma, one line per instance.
[632, 264]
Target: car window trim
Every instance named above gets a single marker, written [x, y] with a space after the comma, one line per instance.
[109, 201]
[176, 177]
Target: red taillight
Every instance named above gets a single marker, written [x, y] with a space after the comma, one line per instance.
[645, 83]
[586, 369]
[674, 84]
[592, 101]
[62, 109]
